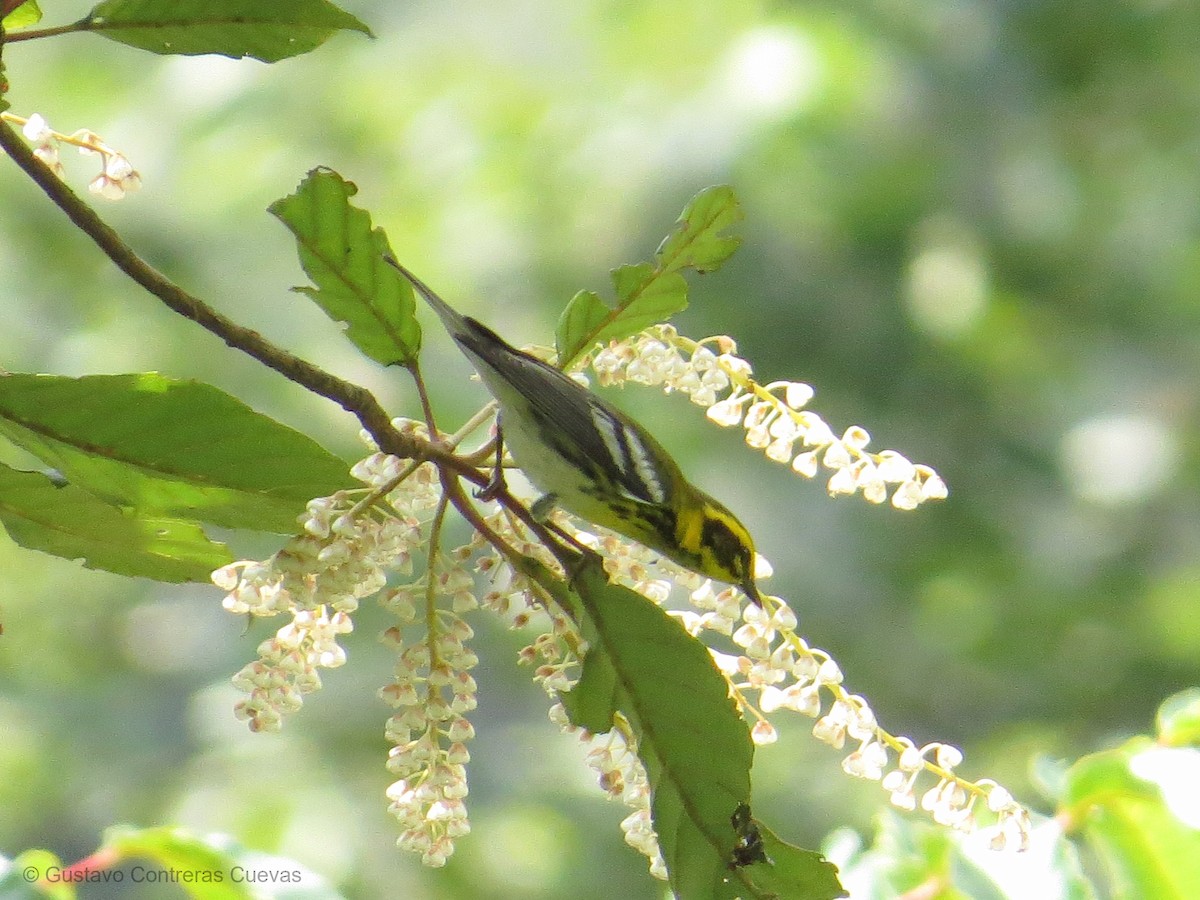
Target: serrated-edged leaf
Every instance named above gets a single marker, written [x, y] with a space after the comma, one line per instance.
[344, 256]
[585, 315]
[1120, 801]
[236, 28]
[165, 447]
[1050, 868]
[649, 293]
[20, 877]
[69, 522]
[645, 297]
[699, 240]
[694, 745]
[972, 879]
[1178, 719]
[219, 868]
[23, 16]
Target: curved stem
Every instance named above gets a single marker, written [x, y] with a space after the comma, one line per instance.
[32, 34]
[431, 621]
[426, 409]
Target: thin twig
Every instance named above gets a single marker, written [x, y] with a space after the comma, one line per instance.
[426, 407]
[351, 397]
[354, 399]
[454, 491]
[32, 34]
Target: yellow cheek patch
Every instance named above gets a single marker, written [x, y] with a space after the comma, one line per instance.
[689, 532]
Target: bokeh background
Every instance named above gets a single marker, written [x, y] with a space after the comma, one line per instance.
[972, 226]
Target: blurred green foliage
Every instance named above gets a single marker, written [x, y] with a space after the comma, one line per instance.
[971, 226]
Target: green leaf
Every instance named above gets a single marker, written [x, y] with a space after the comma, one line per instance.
[699, 241]
[1124, 803]
[792, 872]
[343, 255]
[22, 17]
[69, 522]
[266, 31]
[645, 299]
[972, 879]
[1178, 720]
[19, 877]
[643, 668]
[694, 745]
[649, 293]
[216, 868]
[172, 448]
[586, 315]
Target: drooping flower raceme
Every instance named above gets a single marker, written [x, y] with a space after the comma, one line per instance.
[341, 556]
[775, 416]
[430, 696]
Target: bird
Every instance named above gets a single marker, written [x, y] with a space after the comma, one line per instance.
[594, 461]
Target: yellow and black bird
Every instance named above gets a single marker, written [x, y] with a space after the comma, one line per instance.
[596, 462]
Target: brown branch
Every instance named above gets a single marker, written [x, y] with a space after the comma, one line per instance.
[351, 397]
[354, 399]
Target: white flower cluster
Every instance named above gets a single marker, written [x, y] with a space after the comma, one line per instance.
[117, 176]
[430, 695]
[555, 655]
[286, 668]
[318, 578]
[653, 358]
[622, 777]
[789, 675]
[773, 415]
[348, 545]
[948, 801]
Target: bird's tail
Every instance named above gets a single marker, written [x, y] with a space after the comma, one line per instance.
[487, 351]
[455, 323]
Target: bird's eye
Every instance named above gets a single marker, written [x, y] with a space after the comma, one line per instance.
[727, 550]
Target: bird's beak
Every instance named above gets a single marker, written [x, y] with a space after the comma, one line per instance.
[751, 591]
